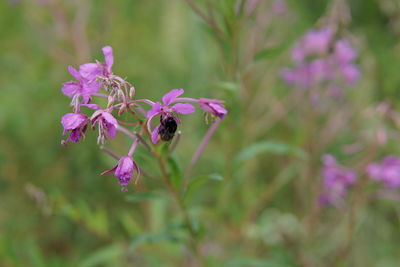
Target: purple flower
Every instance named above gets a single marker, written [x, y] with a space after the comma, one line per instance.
[344, 53]
[90, 71]
[350, 73]
[336, 181]
[81, 88]
[106, 122]
[124, 171]
[76, 123]
[213, 107]
[321, 62]
[388, 171]
[315, 42]
[168, 118]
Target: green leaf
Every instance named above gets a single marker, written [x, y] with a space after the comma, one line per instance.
[103, 256]
[137, 197]
[272, 147]
[227, 86]
[198, 182]
[270, 53]
[175, 172]
[152, 238]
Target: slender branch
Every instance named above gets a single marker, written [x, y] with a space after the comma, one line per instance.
[198, 152]
[111, 153]
[209, 20]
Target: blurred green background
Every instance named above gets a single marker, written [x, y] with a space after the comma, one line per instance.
[56, 209]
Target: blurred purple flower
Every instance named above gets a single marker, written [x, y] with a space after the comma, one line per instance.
[76, 123]
[388, 171]
[343, 52]
[315, 42]
[124, 171]
[336, 181]
[323, 62]
[168, 120]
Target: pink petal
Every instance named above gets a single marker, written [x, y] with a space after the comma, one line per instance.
[350, 73]
[108, 57]
[156, 109]
[72, 121]
[90, 71]
[112, 130]
[109, 118]
[74, 73]
[154, 135]
[92, 106]
[70, 89]
[171, 95]
[218, 108]
[344, 53]
[183, 108]
[109, 171]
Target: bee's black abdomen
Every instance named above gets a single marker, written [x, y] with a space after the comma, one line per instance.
[167, 128]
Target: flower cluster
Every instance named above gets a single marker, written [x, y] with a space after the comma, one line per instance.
[322, 62]
[387, 172]
[96, 80]
[336, 179]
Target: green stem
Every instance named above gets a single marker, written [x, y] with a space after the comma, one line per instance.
[193, 237]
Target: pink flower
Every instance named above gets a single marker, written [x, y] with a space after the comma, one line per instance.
[388, 171]
[336, 181]
[106, 122]
[80, 88]
[213, 107]
[168, 115]
[343, 52]
[124, 171]
[315, 42]
[90, 71]
[76, 123]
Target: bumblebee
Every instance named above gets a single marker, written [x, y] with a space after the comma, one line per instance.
[167, 129]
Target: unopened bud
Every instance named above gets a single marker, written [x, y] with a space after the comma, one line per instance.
[132, 92]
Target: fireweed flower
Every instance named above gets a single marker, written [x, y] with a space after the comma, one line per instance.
[213, 107]
[387, 171]
[168, 115]
[76, 123]
[106, 122]
[336, 180]
[79, 89]
[90, 71]
[124, 171]
[322, 62]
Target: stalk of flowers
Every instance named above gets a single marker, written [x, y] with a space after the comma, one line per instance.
[96, 80]
[322, 61]
[336, 181]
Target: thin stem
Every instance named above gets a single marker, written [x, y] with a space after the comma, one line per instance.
[126, 132]
[209, 20]
[198, 152]
[110, 152]
[194, 242]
